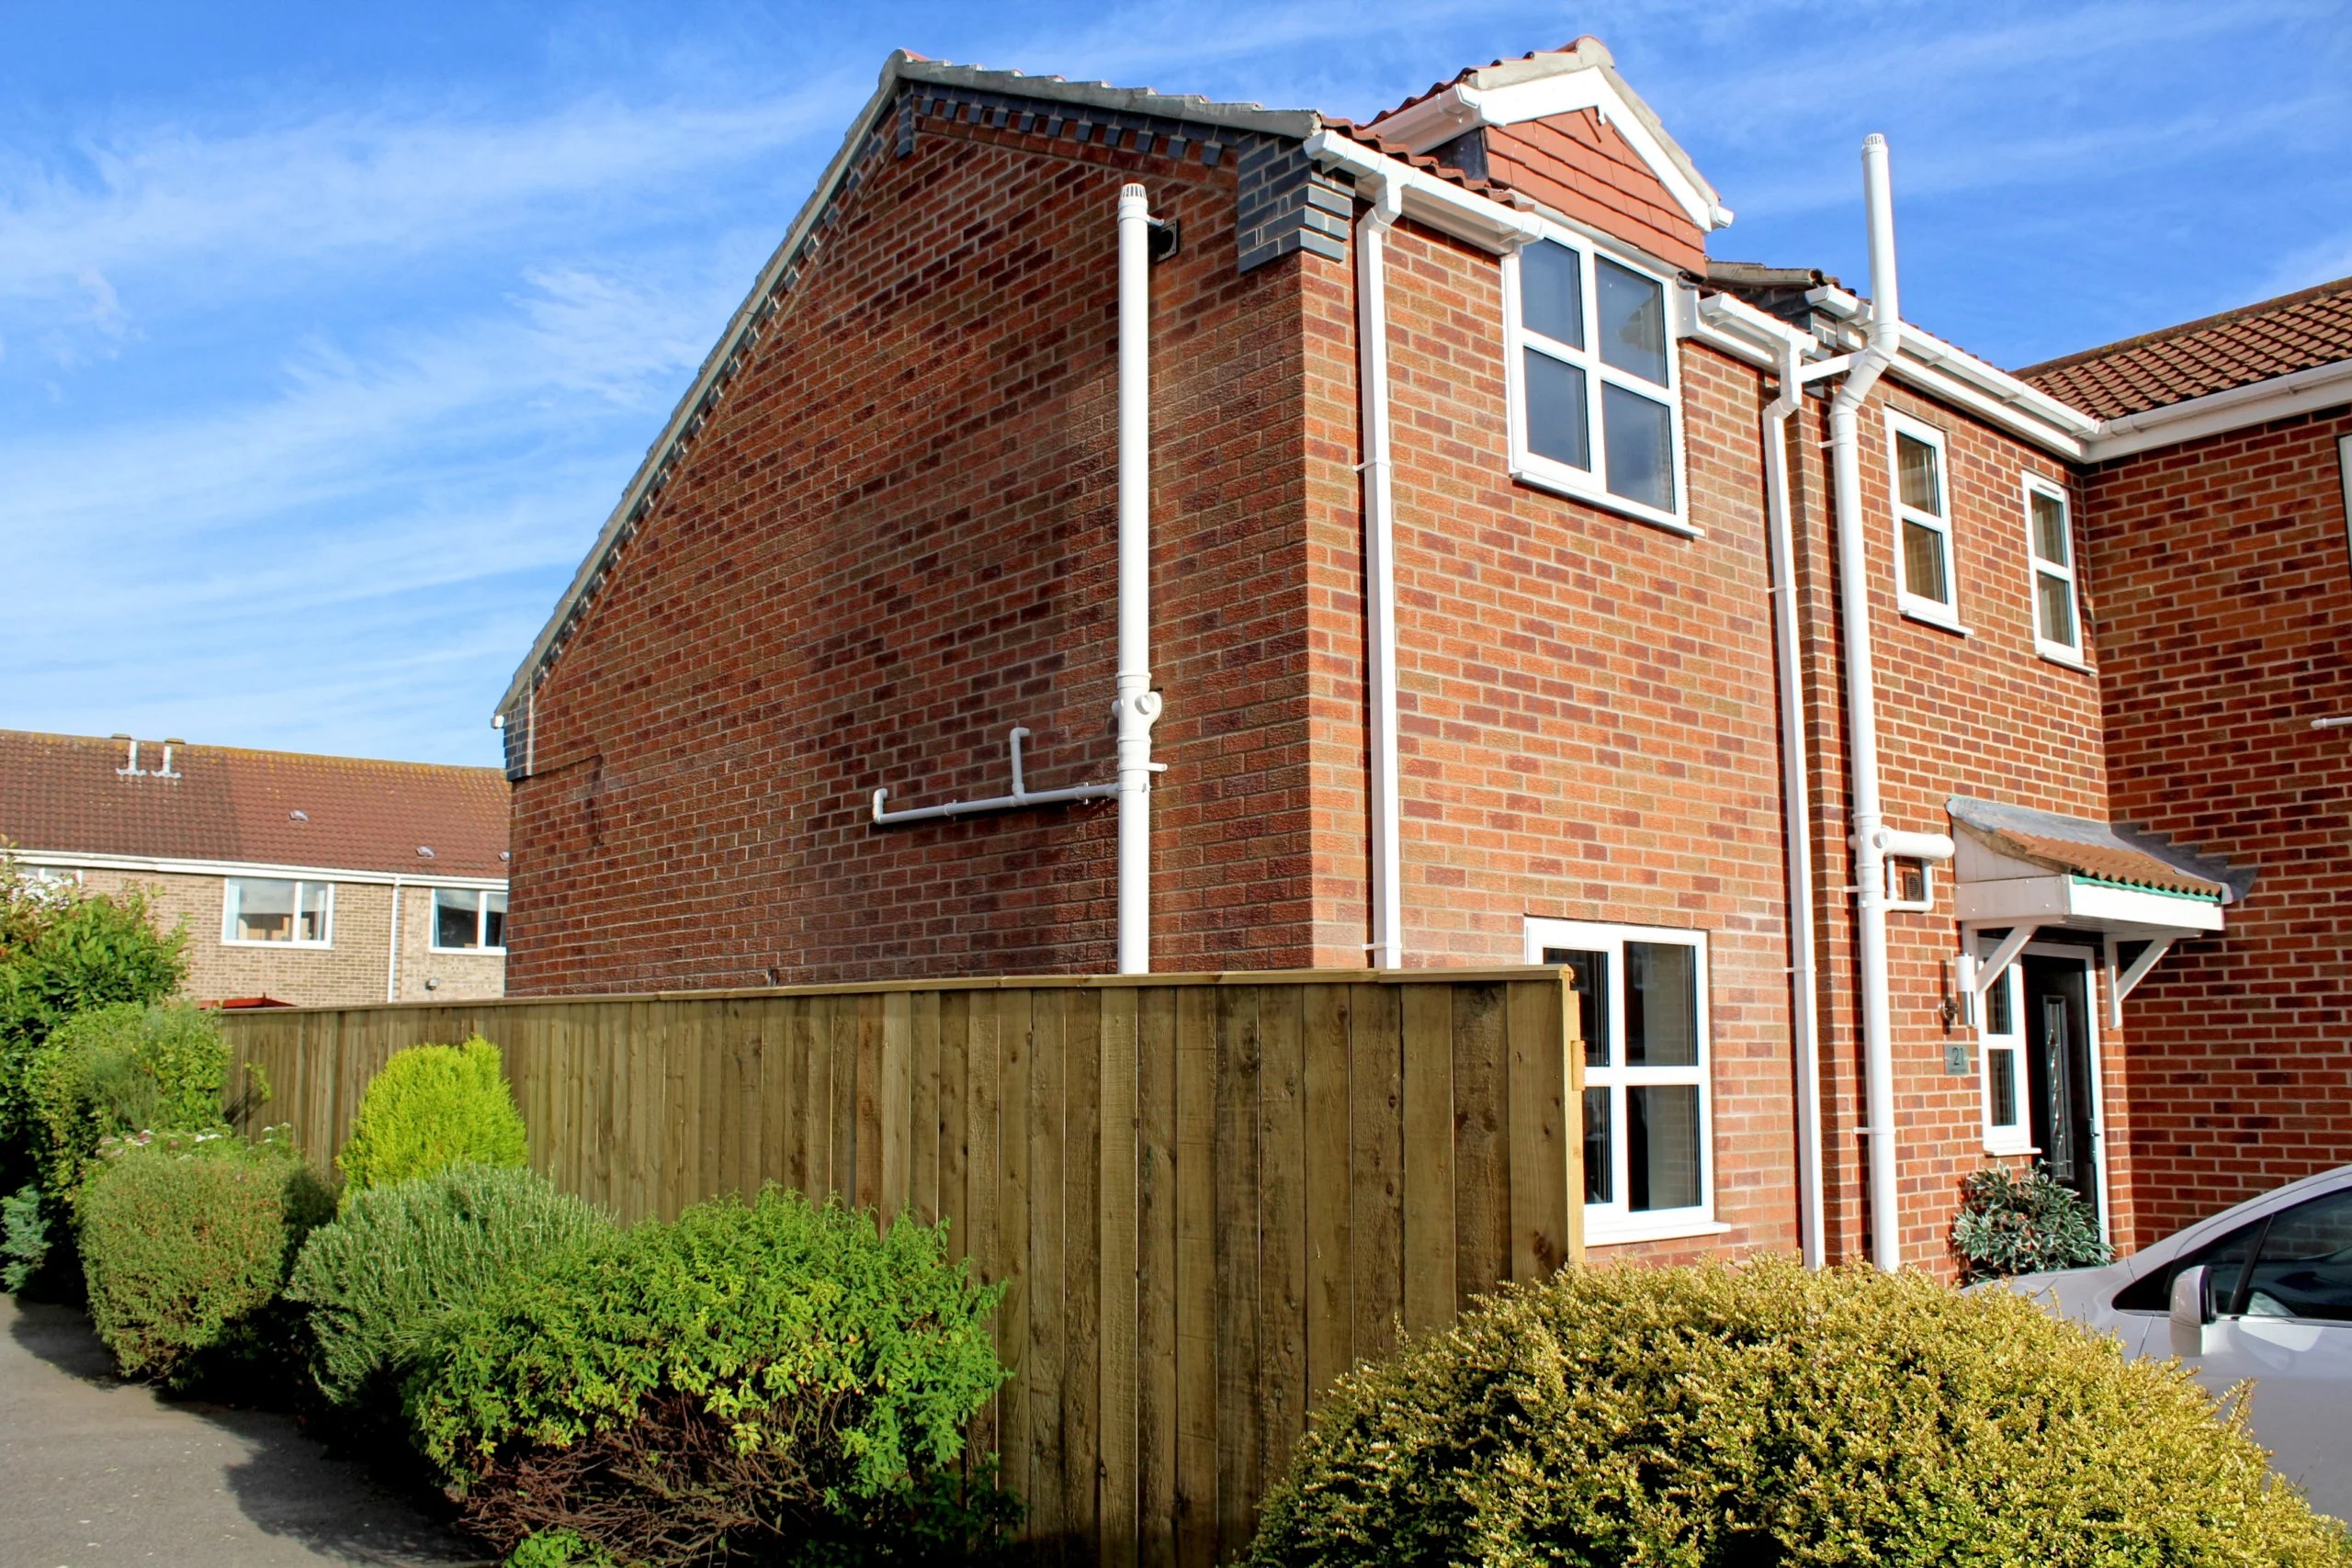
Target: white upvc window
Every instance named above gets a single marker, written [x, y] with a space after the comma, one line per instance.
[1596, 408]
[469, 920]
[269, 911]
[1926, 586]
[1642, 998]
[2000, 1041]
[2050, 544]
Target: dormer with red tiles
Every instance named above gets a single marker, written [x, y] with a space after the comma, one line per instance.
[1562, 127]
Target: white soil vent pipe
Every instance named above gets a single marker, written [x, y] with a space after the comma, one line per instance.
[1135, 704]
[1854, 603]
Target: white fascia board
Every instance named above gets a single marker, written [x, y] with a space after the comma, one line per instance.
[1738, 328]
[2256, 403]
[2056, 897]
[1953, 375]
[1426, 198]
[164, 866]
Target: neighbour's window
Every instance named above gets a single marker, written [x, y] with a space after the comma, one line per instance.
[267, 909]
[2001, 1044]
[1922, 559]
[465, 918]
[1642, 995]
[1594, 408]
[2057, 628]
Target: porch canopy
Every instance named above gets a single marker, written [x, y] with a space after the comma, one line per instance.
[2028, 871]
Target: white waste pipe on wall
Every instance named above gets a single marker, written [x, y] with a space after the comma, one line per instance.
[1387, 943]
[1796, 803]
[392, 962]
[1136, 705]
[1861, 711]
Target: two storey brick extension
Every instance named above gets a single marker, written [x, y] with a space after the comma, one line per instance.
[877, 537]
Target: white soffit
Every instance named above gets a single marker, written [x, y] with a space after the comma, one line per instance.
[1567, 81]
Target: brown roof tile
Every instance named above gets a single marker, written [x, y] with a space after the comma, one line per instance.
[65, 794]
[2237, 348]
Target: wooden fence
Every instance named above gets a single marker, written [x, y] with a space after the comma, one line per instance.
[1211, 1194]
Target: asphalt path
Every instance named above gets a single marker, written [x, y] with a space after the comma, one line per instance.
[95, 1472]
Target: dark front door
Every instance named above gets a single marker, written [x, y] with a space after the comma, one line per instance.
[2058, 1070]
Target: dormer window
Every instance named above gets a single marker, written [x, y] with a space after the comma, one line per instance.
[1595, 413]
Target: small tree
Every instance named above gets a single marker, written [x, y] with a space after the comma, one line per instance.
[433, 1107]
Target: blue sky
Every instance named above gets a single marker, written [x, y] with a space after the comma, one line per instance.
[329, 335]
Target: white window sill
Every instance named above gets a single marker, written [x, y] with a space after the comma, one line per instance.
[1671, 1227]
[1536, 478]
[2009, 1151]
[281, 946]
[2053, 653]
[1914, 908]
[470, 951]
[1928, 612]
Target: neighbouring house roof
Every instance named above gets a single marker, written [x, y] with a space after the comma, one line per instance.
[2237, 348]
[2105, 851]
[68, 794]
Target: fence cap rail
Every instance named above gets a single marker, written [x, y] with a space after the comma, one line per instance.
[982, 983]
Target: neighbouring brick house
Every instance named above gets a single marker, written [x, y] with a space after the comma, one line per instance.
[1507, 630]
[290, 873]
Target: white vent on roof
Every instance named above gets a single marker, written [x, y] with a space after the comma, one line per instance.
[425, 850]
[297, 816]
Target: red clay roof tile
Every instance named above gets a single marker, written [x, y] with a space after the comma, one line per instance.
[2237, 348]
[65, 794]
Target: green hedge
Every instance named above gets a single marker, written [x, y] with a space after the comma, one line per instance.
[433, 1107]
[186, 1242]
[1763, 1415]
[378, 1281]
[117, 1070]
[775, 1380]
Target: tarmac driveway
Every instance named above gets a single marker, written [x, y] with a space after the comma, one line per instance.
[98, 1473]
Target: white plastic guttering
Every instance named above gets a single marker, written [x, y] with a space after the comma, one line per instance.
[1135, 703]
[1854, 599]
[1425, 198]
[2297, 392]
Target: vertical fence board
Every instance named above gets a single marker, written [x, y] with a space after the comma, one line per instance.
[1428, 1074]
[1281, 1230]
[984, 1185]
[1239, 1063]
[893, 1101]
[1375, 1165]
[1539, 1164]
[1081, 1386]
[1156, 1264]
[1196, 1275]
[1116, 1176]
[1323, 1086]
[1481, 1144]
[1048, 1291]
[1013, 1218]
[923, 1114]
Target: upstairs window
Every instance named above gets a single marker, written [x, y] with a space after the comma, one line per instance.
[468, 921]
[2057, 626]
[1595, 413]
[259, 911]
[1923, 563]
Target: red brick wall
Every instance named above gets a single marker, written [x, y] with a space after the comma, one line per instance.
[2223, 596]
[1981, 713]
[894, 541]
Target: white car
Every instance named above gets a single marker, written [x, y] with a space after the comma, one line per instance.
[2284, 1324]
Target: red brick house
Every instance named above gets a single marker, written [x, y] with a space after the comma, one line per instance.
[1524, 585]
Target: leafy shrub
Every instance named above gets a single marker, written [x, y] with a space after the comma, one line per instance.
[2023, 1224]
[380, 1277]
[1763, 1415]
[186, 1242]
[119, 1069]
[433, 1107]
[776, 1380]
[24, 1238]
[556, 1549]
[62, 952]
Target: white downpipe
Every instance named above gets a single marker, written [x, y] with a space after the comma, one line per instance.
[1854, 601]
[392, 962]
[1380, 573]
[1797, 800]
[1136, 705]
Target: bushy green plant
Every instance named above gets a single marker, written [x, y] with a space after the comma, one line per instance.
[62, 952]
[2022, 1225]
[118, 1069]
[775, 1381]
[186, 1242]
[24, 1238]
[433, 1107]
[380, 1278]
[557, 1549]
[1719, 1416]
